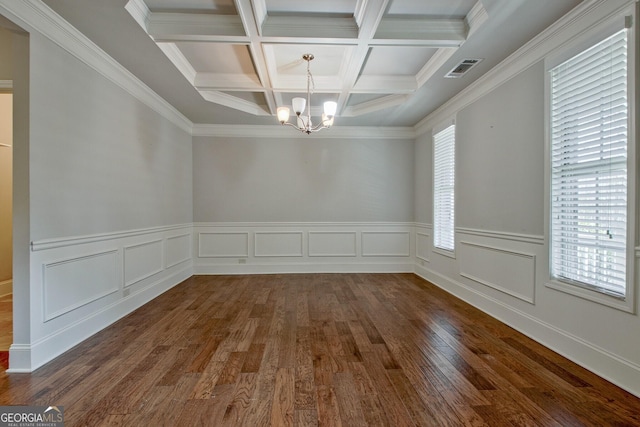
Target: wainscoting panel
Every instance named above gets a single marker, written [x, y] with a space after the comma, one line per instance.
[423, 245]
[74, 282]
[81, 284]
[222, 245]
[508, 271]
[278, 244]
[332, 244]
[177, 250]
[142, 261]
[386, 243]
[306, 248]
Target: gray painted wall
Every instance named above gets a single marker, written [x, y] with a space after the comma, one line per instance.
[500, 158]
[302, 180]
[101, 161]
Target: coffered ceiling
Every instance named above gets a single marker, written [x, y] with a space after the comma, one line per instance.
[236, 61]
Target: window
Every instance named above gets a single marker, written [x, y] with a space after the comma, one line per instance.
[589, 139]
[443, 189]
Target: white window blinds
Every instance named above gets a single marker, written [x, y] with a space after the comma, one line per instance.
[443, 189]
[589, 119]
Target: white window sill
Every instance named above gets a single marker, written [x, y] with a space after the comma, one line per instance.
[623, 304]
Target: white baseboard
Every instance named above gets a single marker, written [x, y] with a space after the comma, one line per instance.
[218, 269]
[6, 287]
[620, 372]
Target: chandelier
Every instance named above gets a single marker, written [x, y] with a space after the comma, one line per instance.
[304, 123]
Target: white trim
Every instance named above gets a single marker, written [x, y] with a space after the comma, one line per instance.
[621, 372]
[46, 315]
[43, 19]
[316, 267]
[532, 257]
[91, 238]
[502, 235]
[131, 282]
[278, 131]
[53, 345]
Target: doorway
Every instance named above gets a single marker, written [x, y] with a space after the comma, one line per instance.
[6, 196]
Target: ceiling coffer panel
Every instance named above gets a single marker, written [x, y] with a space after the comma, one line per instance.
[248, 54]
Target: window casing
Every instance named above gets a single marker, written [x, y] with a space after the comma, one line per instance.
[444, 189]
[589, 125]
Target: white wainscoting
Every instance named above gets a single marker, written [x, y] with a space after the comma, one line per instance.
[66, 283]
[253, 248]
[80, 285]
[508, 271]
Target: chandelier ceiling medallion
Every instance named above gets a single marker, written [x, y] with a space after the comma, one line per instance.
[304, 123]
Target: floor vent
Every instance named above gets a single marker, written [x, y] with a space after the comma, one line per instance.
[460, 69]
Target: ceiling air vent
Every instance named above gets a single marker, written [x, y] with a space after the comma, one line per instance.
[460, 69]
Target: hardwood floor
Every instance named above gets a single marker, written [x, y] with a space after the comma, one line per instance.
[317, 349]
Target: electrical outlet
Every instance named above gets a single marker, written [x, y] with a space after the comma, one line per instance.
[127, 292]
[242, 261]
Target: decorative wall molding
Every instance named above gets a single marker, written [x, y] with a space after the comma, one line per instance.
[80, 285]
[223, 244]
[502, 235]
[47, 244]
[74, 282]
[332, 244]
[386, 243]
[39, 17]
[508, 271]
[142, 261]
[423, 245]
[304, 247]
[278, 244]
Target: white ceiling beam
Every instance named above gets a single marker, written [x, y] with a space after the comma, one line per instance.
[310, 26]
[179, 60]
[228, 82]
[235, 102]
[172, 27]
[374, 105]
[408, 31]
[385, 84]
[252, 13]
[476, 17]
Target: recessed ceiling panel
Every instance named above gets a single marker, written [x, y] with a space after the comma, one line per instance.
[225, 7]
[328, 59]
[218, 58]
[342, 7]
[397, 60]
[439, 8]
[255, 97]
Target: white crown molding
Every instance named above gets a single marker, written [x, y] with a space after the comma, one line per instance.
[227, 81]
[37, 16]
[574, 23]
[278, 131]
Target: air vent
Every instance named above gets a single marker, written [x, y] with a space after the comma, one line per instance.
[460, 69]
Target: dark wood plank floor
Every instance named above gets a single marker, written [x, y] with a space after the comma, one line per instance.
[317, 349]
